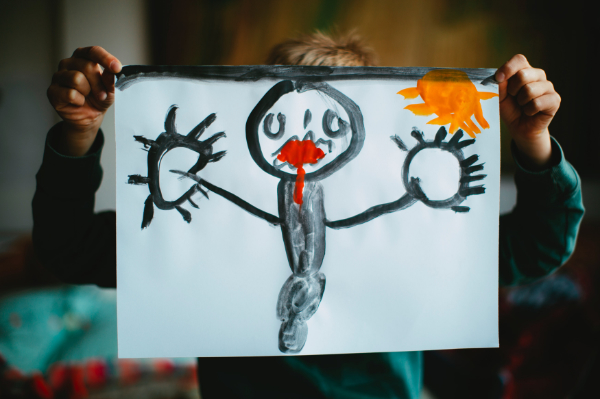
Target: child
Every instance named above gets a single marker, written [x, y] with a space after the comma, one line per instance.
[79, 246]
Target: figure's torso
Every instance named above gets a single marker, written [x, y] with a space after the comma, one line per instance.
[303, 226]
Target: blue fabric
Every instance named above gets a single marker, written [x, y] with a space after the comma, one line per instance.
[38, 328]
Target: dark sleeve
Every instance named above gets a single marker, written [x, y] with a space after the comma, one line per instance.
[539, 235]
[76, 244]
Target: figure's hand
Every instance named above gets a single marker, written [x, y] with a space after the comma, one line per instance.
[81, 92]
[528, 102]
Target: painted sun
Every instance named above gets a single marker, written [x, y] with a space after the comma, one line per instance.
[452, 96]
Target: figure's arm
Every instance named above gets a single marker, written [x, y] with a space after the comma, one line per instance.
[378, 210]
[169, 140]
[272, 219]
[539, 235]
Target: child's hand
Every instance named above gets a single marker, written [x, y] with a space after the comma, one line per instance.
[81, 92]
[528, 102]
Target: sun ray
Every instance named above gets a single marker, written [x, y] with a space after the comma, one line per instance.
[473, 126]
[410, 93]
[466, 128]
[441, 120]
[453, 126]
[486, 95]
[420, 109]
[479, 116]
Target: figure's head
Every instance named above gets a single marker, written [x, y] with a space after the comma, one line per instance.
[324, 129]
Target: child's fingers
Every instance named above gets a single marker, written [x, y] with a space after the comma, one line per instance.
[523, 77]
[100, 56]
[74, 80]
[60, 97]
[533, 90]
[92, 72]
[108, 80]
[511, 67]
[546, 104]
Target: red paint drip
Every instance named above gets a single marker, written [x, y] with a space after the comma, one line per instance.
[297, 153]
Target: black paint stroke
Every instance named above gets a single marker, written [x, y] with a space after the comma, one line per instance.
[399, 143]
[307, 117]
[132, 74]
[404, 202]
[272, 219]
[328, 143]
[148, 212]
[490, 81]
[165, 142]
[310, 135]
[138, 179]
[343, 126]
[267, 126]
[460, 208]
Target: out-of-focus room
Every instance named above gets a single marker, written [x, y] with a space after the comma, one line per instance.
[59, 341]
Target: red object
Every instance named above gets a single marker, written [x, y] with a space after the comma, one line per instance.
[41, 387]
[78, 383]
[58, 376]
[96, 372]
[164, 367]
[297, 153]
[129, 372]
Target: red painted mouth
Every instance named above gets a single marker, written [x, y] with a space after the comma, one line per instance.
[297, 153]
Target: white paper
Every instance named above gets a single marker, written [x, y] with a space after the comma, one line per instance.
[418, 278]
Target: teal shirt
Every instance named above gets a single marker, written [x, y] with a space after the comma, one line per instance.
[79, 246]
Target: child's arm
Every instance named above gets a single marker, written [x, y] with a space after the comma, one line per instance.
[81, 92]
[76, 244]
[539, 235]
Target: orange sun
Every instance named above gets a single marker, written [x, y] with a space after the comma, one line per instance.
[452, 96]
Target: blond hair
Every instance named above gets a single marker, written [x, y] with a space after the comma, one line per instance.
[321, 49]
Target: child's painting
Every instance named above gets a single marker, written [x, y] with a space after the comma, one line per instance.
[266, 211]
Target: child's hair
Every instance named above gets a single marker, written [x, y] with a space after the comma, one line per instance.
[321, 49]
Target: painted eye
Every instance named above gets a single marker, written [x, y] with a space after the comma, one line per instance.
[307, 117]
[343, 126]
[267, 126]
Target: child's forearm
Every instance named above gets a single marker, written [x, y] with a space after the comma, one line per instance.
[539, 235]
[76, 142]
[535, 153]
[70, 240]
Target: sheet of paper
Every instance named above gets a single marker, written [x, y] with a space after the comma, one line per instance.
[265, 211]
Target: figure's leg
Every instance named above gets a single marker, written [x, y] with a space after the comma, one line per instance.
[298, 301]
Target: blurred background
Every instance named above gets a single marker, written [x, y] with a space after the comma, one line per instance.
[67, 335]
